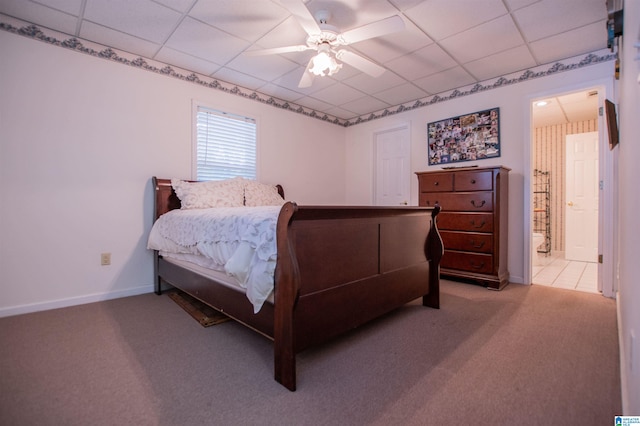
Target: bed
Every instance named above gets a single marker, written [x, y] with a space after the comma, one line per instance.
[337, 267]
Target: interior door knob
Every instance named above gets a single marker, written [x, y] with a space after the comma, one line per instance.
[570, 203]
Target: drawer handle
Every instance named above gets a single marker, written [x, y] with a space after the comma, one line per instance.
[476, 265]
[473, 181]
[476, 245]
[436, 183]
[482, 203]
[473, 223]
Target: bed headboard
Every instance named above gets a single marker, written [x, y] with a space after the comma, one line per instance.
[165, 198]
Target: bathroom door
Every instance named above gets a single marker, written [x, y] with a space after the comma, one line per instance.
[581, 202]
[393, 163]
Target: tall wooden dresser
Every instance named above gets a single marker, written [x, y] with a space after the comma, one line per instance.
[472, 222]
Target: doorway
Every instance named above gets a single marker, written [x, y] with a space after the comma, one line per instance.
[560, 122]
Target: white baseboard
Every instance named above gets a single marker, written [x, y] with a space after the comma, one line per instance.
[623, 362]
[73, 301]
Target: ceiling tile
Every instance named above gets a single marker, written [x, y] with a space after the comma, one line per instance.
[405, 4]
[506, 62]
[203, 41]
[486, 39]
[313, 103]
[240, 18]
[423, 62]
[287, 33]
[394, 45]
[338, 94]
[350, 14]
[367, 84]
[181, 6]
[440, 18]
[142, 18]
[270, 66]
[589, 38]
[279, 92]
[69, 6]
[341, 113]
[185, 61]
[401, 94]
[519, 4]
[365, 105]
[443, 81]
[117, 39]
[40, 15]
[238, 78]
[551, 17]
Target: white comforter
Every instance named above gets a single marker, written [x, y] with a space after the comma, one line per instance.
[238, 240]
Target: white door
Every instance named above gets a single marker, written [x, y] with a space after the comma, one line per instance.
[393, 155]
[581, 203]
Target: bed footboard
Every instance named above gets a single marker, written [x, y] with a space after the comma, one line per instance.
[340, 267]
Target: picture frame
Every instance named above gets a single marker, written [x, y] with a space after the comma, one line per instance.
[612, 123]
[469, 137]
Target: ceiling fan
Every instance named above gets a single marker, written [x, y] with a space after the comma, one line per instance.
[327, 41]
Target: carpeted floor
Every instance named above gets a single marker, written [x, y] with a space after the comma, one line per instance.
[527, 355]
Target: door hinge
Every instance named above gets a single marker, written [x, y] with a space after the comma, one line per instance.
[599, 258]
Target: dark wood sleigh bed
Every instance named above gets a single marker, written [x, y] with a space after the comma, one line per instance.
[337, 268]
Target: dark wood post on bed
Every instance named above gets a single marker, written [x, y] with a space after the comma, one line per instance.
[337, 268]
[434, 249]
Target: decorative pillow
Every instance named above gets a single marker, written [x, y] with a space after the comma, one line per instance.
[260, 194]
[204, 195]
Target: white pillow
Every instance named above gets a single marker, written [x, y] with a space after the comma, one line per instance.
[204, 195]
[260, 194]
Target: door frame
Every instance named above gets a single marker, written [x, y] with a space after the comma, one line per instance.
[607, 209]
[399, 126]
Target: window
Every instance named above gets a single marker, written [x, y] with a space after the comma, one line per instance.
[225, 145]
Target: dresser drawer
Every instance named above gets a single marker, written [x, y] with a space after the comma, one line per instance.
[467, 201]
[467, 241]
[478, 222]
[436, 182]
[464, 261]
[473, 181]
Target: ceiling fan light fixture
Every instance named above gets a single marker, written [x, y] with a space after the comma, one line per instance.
[324, 64]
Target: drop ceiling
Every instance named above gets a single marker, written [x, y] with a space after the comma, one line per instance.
[446, 44]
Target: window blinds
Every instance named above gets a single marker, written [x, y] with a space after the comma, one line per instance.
[225, 145]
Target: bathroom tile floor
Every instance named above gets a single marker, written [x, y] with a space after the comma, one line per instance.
[555, 271]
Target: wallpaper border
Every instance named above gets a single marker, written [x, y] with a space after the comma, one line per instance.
[58, 39]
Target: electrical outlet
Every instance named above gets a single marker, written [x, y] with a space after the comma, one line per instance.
[105, 259]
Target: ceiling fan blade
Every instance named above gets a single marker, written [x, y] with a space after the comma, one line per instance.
[307, 76]
[375, 29]
[276, 50]
[359, 62]
[305, 18]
